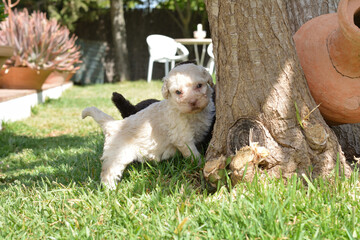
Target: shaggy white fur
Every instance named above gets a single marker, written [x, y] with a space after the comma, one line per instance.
[179, 121]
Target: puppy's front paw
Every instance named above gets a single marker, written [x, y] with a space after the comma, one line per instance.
[109, 181]
[197, 158]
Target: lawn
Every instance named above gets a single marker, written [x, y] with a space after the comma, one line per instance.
[49, 187]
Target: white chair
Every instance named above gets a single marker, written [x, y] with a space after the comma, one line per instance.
[163, 49]
[211, 62]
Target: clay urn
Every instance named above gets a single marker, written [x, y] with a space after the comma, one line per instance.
[328, 48]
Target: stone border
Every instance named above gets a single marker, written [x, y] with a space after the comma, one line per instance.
[16, 104]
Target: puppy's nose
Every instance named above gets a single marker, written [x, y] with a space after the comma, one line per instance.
[193, 102]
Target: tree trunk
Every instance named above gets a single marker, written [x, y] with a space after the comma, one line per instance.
[301, 11]
[121, 71]
[261, 86]
[349, 139]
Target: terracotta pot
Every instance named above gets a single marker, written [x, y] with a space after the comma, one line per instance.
[23, 78]
[5, 53]
[328, 48]
[59, 77]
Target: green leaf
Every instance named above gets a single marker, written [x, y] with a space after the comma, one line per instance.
[228, 161]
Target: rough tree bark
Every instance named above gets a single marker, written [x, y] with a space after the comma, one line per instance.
[259, 82]
[121, 71]
[301, 11]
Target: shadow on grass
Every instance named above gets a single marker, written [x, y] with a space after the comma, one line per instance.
[67, 159]
[169, 176]
[63, 159]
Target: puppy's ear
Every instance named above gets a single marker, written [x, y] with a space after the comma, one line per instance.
[165, 90]
[207, 77]
[210, 80]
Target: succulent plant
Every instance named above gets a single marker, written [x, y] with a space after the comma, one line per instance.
[39, 43]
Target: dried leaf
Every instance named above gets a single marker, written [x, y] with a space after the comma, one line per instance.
[179, 228]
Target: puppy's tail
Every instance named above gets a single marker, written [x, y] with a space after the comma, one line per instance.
[100, 117]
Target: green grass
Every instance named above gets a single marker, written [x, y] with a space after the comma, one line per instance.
[49, 187]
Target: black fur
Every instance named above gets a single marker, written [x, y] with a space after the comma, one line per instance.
[126, 108]
[186, 62]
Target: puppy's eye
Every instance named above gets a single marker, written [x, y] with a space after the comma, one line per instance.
[199, 85]
[178, 92]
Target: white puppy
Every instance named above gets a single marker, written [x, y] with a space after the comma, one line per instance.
[179, 121]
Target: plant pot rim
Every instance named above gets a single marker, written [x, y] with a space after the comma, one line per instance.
[26, 67]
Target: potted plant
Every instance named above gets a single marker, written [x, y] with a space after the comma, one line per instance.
[41, 46]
